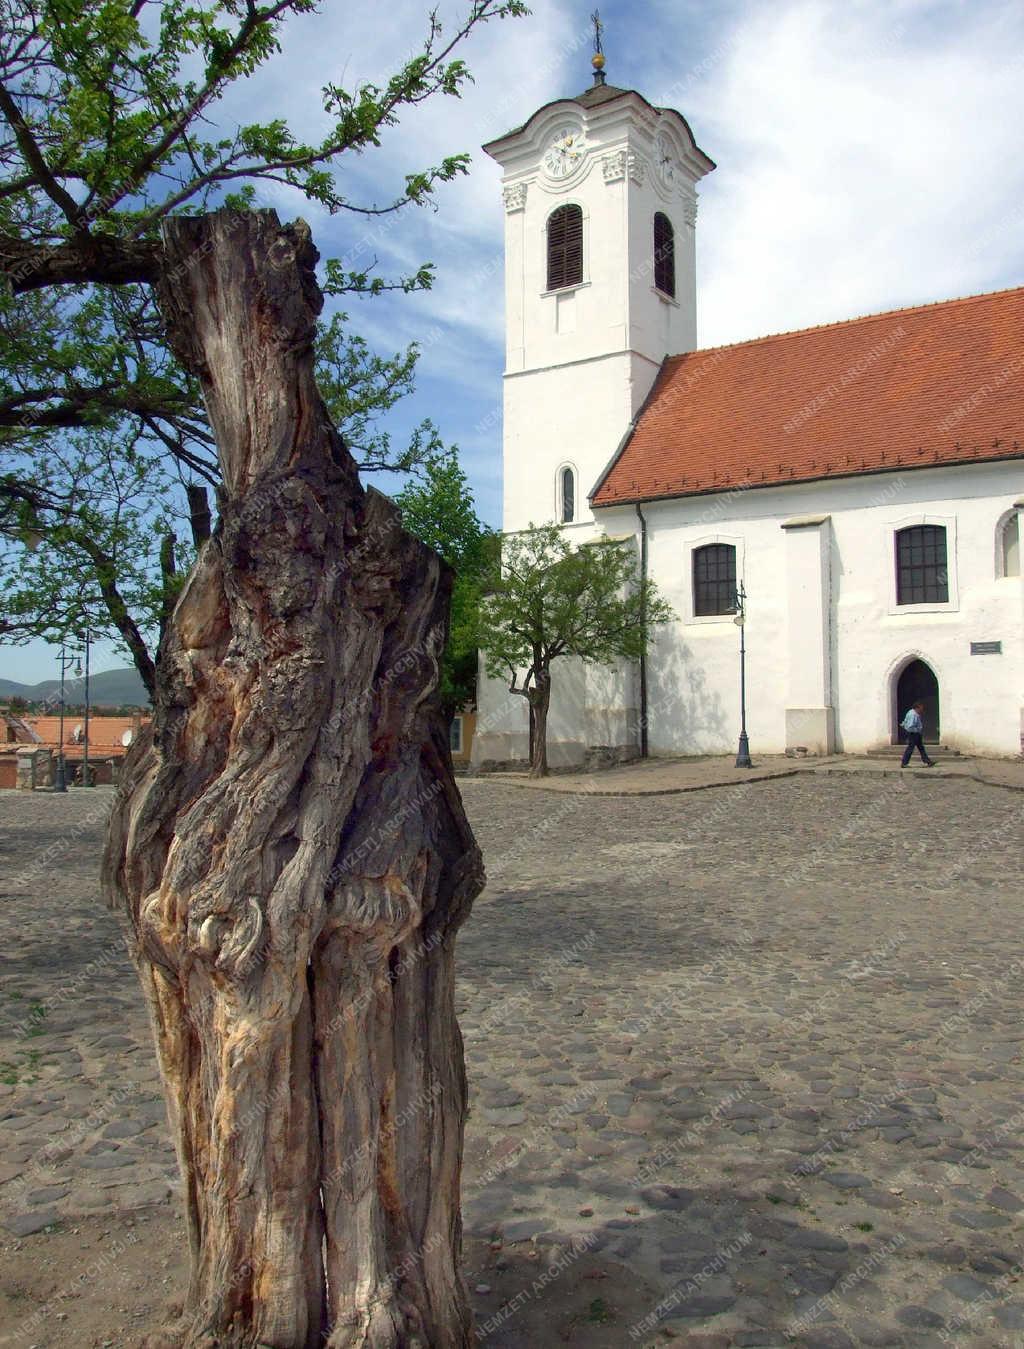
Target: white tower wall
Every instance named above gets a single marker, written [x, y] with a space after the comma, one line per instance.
[580, 360]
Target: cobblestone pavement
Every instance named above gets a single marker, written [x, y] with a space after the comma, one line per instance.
[761, 1045]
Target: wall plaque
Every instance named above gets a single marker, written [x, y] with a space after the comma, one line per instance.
[986, 648]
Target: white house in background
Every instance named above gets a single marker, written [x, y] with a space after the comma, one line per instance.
[863, 480]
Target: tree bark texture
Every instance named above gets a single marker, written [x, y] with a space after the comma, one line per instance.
[292, 853]
[540, 702]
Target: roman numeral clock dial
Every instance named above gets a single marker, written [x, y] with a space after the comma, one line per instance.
[565, 153]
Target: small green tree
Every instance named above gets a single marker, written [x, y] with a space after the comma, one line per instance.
[439, 509]
[553, 600]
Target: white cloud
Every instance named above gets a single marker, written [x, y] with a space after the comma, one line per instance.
[867, 160]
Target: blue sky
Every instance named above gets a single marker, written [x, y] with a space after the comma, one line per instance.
[868, 158]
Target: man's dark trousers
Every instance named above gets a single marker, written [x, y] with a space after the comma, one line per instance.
[915, 740]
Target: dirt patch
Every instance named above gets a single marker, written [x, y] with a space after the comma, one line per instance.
[105, 1283]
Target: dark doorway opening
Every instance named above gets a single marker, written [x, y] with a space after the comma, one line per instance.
[918, 684]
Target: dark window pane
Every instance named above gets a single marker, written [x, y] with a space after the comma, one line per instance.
[455, 735]
[664, 255]
[568, 496]
[921, 574]
[714, 579]
[565, 247]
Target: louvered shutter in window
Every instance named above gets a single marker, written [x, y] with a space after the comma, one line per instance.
[565, 247]
[664, 255]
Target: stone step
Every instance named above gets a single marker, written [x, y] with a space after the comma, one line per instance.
[896, 751]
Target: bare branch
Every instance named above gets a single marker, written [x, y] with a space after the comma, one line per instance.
[36, 161]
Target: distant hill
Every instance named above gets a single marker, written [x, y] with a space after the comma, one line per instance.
[111, 688]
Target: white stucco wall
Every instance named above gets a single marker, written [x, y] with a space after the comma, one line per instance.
[858, 639]
[823, 632]
[555, 417]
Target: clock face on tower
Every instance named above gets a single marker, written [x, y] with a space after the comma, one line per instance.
[565, 152]
[665, 162]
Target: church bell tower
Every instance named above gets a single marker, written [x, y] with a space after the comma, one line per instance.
[600, 217]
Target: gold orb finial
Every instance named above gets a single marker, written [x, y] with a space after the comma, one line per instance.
[597, 61]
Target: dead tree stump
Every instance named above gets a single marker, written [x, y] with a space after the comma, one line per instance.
[292, 854]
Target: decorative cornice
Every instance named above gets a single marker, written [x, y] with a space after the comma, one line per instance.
[690, 211]
[514, 196]
[618, 163]
[614, 166]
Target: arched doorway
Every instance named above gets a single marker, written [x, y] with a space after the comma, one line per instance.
[917, 684]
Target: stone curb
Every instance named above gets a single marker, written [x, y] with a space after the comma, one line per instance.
[919, 773]
[764, 775]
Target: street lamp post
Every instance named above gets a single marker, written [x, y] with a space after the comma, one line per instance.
[743, 753]
[60, 783]
[85, 736]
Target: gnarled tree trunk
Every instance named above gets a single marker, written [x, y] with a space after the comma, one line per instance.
[540, 703]
[539, 752]
[292, 852]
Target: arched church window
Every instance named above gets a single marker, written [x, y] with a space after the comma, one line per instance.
[664, 255]
[1009, 546]
[565, 247]
[714, 579]
[567, 492]
[921, 572]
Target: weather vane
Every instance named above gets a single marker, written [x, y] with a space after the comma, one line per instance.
[597, 61]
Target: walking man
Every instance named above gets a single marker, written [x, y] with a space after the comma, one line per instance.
[914, 727]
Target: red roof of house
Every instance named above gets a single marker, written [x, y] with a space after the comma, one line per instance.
[105, 733]
[938, 384]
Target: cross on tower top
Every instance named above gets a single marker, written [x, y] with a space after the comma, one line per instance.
[597, 61]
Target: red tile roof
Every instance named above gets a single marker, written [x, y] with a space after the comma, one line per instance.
[105, 733]
[938, 384]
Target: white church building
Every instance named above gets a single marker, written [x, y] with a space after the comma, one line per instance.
[862, 481]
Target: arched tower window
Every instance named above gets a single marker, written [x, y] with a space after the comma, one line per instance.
[567, 494]
[921, 572]
[565, 247]
[1009, 546]
[664, 255]
[714, 579]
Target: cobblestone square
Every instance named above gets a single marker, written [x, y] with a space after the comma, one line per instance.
[758, 1047]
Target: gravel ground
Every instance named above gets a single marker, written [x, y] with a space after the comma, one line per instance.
[756, 1051]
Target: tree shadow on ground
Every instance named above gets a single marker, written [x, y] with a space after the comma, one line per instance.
[686, 1260]
[737, 1260]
